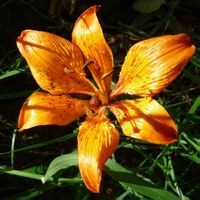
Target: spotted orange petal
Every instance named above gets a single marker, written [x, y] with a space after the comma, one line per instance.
[151, 65]
[88, 35]
[97, 140]
[145, 119]
[56, 64]
[42, 108]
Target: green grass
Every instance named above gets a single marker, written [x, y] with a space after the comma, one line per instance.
[41, 163]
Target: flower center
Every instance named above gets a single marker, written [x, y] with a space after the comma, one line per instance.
[95, 102]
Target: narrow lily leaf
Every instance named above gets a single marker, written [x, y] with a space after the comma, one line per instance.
[195, 105]
[12, 73]
[122, 196]
[5, 3]
[61, 162]
[39, 177]
[193, 141]
[193, 108]
[147, 6]
[159, 157]
[42, 144]
[195, 61]
[20, 173]
[31, 193]
[138, 184]
[194, 156]
[193, 78]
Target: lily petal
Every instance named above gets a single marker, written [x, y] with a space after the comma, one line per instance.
[97, 140]
[151, 65]
[56, 64]
[42, 108]
[88, 35]
[145, 119]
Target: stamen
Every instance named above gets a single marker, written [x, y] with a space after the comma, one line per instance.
[107, 74]
[89, 112]
[88, 62]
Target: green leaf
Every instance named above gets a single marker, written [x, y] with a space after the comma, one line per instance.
[23, 173]
[130, 180]
[195, 105]
[195, 61]
[122, 196]
[37, 169]
[31, 193]
[12, 73]
[59, 163]
[192, 77]
[43, 144]
[147, 6]
[194, 156]
[193, 109]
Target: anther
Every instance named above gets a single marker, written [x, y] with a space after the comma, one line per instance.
[68, 70]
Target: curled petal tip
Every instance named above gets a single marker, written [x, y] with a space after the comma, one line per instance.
[95, 8]
[185, 40]
[19, 38]
[22, 36]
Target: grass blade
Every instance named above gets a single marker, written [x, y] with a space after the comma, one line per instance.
[12, 73]
[31, 193]
[138, 184]
[42, 144]
[37, 176]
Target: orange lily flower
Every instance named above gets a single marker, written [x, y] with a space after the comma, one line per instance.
[59, 67]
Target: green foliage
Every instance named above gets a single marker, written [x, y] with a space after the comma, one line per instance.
[147, 6]
[59, 163]
[132, 181]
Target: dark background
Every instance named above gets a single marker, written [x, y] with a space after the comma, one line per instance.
[122, 26]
